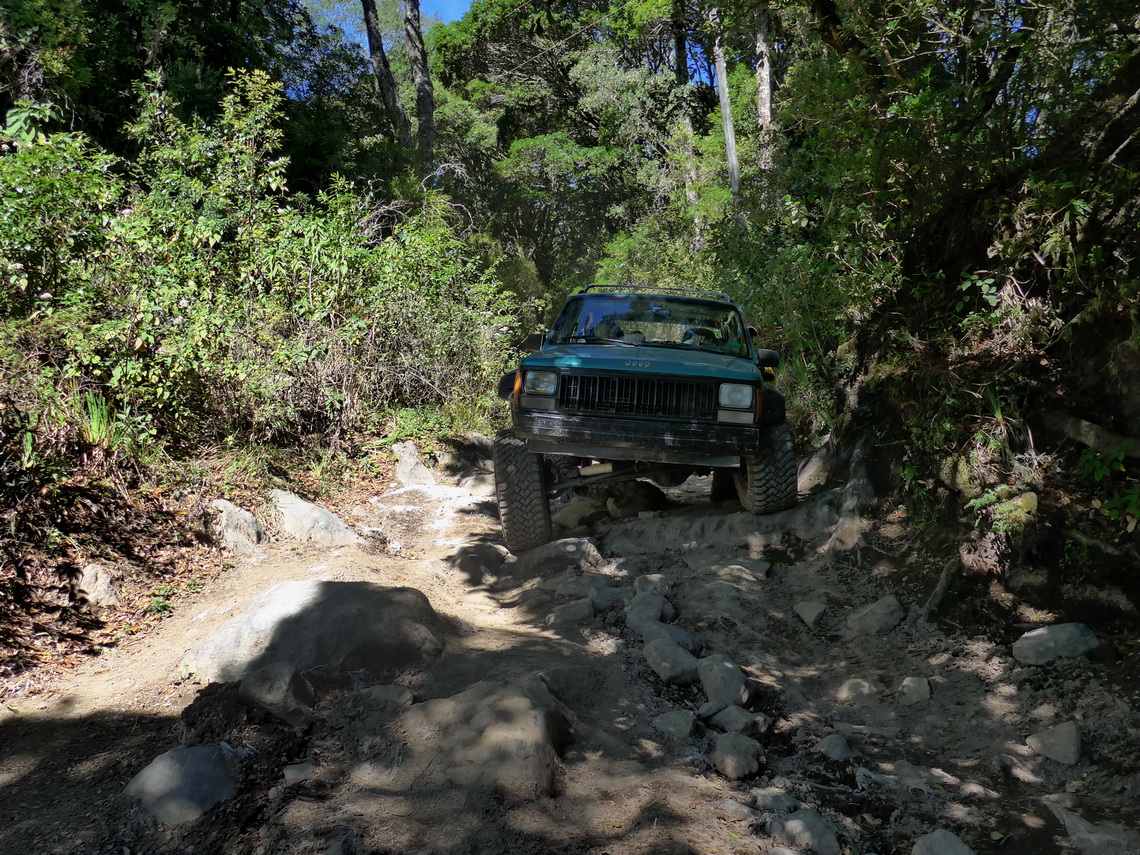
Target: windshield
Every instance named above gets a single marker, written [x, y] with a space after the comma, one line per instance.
[651, 320]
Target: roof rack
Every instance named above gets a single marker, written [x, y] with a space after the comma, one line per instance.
[698, 292]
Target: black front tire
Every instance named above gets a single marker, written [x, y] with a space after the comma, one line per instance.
[520, 486]
[766, 482]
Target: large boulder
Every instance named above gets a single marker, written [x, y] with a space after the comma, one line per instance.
[350, 625]
[504, 737]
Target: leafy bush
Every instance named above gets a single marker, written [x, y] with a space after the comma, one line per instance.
[185, 298]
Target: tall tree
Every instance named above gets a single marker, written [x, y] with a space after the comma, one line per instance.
[425, 95]
[679, 26]
[730, 153]
[385, 82]
[764, 70]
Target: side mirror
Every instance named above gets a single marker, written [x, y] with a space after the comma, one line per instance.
[753, 332]
[506, 388]
[767, 358]
[533, 342]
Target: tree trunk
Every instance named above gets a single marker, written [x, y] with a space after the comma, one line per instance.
[681, 74]
[763, 73]
[425, 94]
[764, 87]
[385, 82]
[726, 117]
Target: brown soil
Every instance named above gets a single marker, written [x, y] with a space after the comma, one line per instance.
[72, 737]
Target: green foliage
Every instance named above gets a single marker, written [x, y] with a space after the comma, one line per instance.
[1117, 493]
[199, 302]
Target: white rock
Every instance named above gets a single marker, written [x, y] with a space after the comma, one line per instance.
[409, 469]
[1050, 642]
[298, 772]
[737, 756]
[834, 747]
[309, 523]
[241, 531]
[941, 842]
[805, 829]
[914, 690]
[97, 585]
[1061, 743]
[857, 690]
[1097, 839]
[810, 612]
[878, 617]
[182, 784]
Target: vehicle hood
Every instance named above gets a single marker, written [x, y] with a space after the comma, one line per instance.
[639, 359]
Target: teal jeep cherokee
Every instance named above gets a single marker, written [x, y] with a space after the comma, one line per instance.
[658, 384]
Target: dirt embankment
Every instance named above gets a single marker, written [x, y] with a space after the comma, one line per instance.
[686, 680]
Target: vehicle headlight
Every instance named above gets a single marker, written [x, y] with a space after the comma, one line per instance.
[737, 396]
[540, 383]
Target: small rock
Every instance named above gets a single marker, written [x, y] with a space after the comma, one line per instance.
[834, 747]
[736, 756]
[240, 530]
[1061, 743]
[182, 784]
[941, 842]
[477, 483]
[550, 559]
[1050, 642]
[309, 523]
[914, 690]
[409, 469]
[571, 614]
[282, 691]
[1097, 839]
[734, 719]
[810, 612]
[735, 811]
[710, 708]
[651, 583]
[497, 735]
[724, 682]
[775, 799]
[671, 662]
[580, 512]
[805, 829]
[655, 629]
[878, 617]
[678, 724]
[97, 586]
[858, 691]
[298, 772]
[644, 608]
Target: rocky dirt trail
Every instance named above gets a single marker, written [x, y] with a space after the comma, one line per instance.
[669, 676]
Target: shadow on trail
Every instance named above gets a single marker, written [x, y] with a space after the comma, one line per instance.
[61, 778]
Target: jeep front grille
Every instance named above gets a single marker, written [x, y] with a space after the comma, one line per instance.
[637, 396]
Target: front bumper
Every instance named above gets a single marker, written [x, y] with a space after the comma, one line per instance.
[609, 438]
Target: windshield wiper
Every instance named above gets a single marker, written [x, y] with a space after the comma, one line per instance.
[590, 339]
